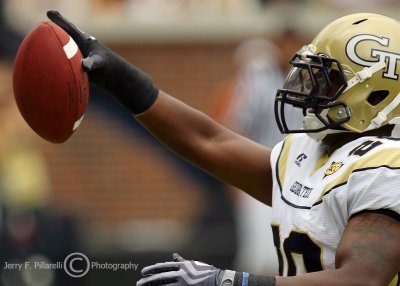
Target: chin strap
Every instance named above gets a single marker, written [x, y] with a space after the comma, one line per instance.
[364, 74]
[381, 117]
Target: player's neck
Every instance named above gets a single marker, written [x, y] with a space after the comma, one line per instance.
[335, 141]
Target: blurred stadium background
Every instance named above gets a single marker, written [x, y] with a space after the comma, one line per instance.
[112, 192]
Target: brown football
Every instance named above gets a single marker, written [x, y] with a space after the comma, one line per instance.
[50, 87]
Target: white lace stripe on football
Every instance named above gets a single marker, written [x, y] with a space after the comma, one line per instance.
[77, 123]
[71, 48]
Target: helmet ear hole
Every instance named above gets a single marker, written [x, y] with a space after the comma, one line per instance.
[377, 96]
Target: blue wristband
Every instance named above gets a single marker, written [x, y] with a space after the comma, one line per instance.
[245, 279]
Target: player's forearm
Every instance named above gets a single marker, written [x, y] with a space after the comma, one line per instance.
[187, 131]
[332, 277]
[182, 128]
[209, 145]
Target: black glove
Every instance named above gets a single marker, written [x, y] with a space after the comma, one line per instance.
[108, 71]
[181, 272]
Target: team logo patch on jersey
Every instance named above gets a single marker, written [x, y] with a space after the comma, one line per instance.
[332, 169]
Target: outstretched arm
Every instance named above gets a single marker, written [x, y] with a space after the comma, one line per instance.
[190, 133]
[210, 146]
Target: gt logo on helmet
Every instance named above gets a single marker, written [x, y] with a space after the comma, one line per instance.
[380, 55]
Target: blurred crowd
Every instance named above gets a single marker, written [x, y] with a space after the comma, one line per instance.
[191, 19]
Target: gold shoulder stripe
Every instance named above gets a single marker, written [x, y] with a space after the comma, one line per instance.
[386, 157]
[282, 160]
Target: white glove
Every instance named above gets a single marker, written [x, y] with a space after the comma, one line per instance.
[181, 272]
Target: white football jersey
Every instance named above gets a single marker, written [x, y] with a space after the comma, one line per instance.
[314, 195]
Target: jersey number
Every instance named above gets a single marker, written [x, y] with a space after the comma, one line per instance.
[298, 243]
[364, 148]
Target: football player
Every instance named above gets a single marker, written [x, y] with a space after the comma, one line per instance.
[334, 185]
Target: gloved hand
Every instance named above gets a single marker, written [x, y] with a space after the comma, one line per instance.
[181, 272]
[110, 72]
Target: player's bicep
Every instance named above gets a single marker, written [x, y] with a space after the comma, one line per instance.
[243, 163]
[370, 248]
